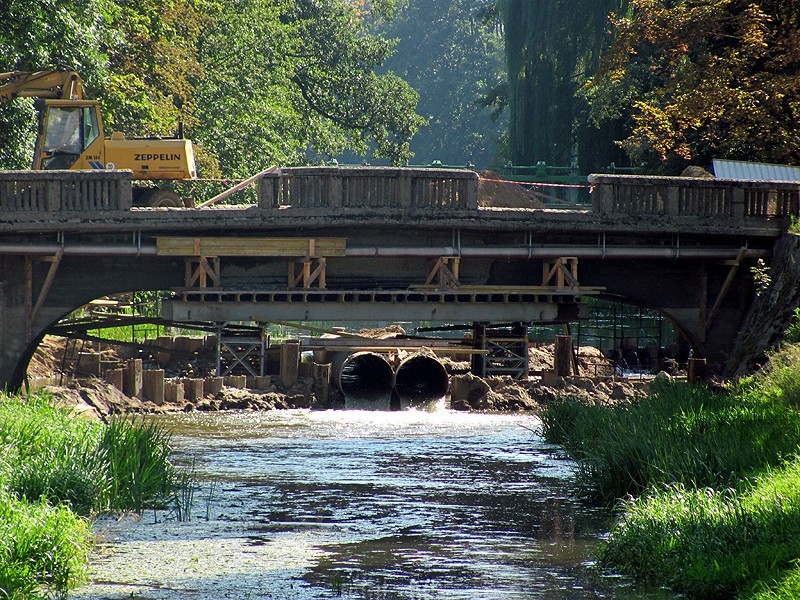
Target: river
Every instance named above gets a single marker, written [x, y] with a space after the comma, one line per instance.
[359, 504]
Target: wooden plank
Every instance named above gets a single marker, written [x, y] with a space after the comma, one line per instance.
[246, 246]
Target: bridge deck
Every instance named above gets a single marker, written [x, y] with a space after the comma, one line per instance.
[72, 201]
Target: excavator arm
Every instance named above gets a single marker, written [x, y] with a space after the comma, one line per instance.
[59, 85]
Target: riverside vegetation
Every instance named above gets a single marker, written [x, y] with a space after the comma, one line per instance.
[707, 481]
[56, 472]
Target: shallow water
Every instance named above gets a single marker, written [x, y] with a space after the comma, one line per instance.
[363, 504]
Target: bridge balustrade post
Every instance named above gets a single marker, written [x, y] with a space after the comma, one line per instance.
[52, 195]
[602, 193]
[334, 182]
[405, 185]
[672, 201]
[472, 193]
[738, 204]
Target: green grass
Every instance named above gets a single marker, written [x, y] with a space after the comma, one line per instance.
[710, 482]
[56, 470]
[711, 543]
[679, 434]
[41, 546]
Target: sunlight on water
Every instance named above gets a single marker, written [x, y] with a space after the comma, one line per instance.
[364, 504]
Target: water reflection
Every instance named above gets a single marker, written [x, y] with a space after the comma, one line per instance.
[366, 505]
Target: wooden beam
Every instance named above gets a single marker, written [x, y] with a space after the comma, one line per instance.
[726, 286]
[48, 281]
[246, 246]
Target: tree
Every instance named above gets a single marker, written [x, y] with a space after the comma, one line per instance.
[37, 35]
[702, 80]
[552, 48]
[453, 58]
[256, 82]
[287, 78]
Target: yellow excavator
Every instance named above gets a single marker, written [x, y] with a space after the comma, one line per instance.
[71, 136]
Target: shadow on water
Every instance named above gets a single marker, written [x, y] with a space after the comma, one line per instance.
[361, 504]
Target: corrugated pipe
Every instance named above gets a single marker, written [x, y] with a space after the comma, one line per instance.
[419, 380]
[363, 377]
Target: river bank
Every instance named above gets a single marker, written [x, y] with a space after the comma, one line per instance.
[711, 478]
[57, 471]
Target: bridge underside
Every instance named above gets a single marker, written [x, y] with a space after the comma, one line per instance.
[353, 305]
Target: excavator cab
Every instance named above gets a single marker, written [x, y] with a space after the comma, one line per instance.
[68, 130]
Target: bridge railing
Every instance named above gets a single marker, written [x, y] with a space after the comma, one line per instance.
[342, 190]
[690, 197]
[70, 191]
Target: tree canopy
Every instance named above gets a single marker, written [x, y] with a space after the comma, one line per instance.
[256, 82]
[552, 48]
[704, 79]
[451, 52]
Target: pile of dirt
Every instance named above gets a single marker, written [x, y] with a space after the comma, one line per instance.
[472, 393]
[493, 192]
[382, 332]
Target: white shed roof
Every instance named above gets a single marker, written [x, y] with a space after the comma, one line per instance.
[751, 171]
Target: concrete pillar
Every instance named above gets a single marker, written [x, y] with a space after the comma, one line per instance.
[133, 378]
[213, 385]
[193, 389]
[322, 381]
[697, 370]
[236, 381]
[88, 363]
[116, 378]
[153, 386]
[290, 362]
[173, 392]
[563, 356]
[478, 361]
[263, 382]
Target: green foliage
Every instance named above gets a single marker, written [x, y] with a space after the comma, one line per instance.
[257, 83]
[718, 479]
[624, 449]
[53, 465]
[552, 48]
[792, 335]
[140, 472]
[450, 52]
[711, 543]
[49, 454]
[703, 80]
[40, 546]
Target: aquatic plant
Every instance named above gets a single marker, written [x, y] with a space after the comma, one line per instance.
[53, 465]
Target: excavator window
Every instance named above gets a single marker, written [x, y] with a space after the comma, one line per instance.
[91, 128]
[62, 137]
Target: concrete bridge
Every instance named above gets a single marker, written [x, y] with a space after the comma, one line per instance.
[385, 244]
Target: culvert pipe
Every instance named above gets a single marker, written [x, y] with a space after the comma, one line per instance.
[364, 378]
[420, 379]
